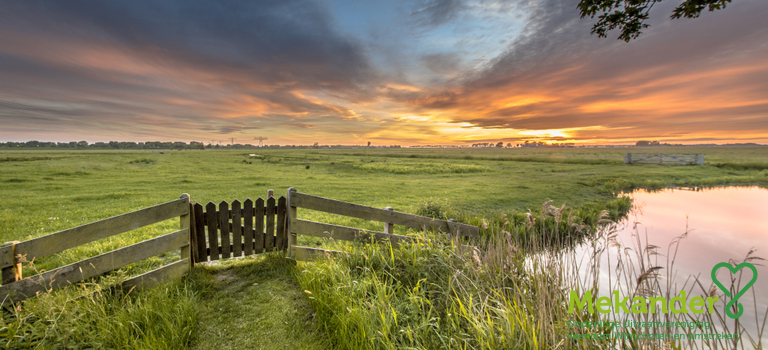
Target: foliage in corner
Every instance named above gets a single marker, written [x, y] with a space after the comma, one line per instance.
[629, 16]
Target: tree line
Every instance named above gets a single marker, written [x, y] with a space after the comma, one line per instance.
[160, 145]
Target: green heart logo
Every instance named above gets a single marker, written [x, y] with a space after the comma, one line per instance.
[741, 292]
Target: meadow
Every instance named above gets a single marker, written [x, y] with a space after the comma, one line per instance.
[46, 191]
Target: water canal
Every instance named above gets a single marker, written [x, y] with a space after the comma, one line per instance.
[711, 225]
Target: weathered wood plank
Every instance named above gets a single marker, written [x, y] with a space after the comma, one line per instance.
[237, 236]
[290, 214]
[91, 267]
[157, 276]
[202, 255]
[319, 229]
[11, 271]
[73, 237]
[212, 218]
[224, 230]
[269, 237]
[311, 254]
[185, 224]
[369, 213]
[280, 238]
[259, 226]
[248, 226]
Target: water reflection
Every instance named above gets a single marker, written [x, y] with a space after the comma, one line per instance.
[723, 224]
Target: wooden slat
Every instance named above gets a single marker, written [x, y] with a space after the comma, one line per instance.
[157, 276]
[305, 227]
[369, 213]
[224, 229]
[311, 254]
[291, 213]
[248, 226]
[237, 236]
[185, 223]
[269, 237]
[280, 237]
[202, 255]
[73, 237]
[95, 266]
[212, 219]
[10, 268]
[259, 226]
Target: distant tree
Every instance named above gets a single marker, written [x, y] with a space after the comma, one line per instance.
[629, 16]
[500, 144]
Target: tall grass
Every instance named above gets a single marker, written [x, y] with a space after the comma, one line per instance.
[90, 317]
[510, 291]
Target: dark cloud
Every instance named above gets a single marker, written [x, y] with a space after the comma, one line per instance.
[442, 63]
[273, 41]
[135, 65]
[437, 12]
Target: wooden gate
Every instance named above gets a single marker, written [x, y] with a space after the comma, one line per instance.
[240, 229]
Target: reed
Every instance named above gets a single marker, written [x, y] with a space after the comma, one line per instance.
[508, 292]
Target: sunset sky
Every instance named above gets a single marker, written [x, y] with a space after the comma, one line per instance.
[385, 72]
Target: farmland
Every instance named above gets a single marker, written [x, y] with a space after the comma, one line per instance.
[47, 191]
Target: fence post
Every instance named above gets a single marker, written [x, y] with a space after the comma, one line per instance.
[700, 159]
[290, 214]
[389, 227]
[628, 158]
[184, 223]
[450, 228]
[10, 267]
[270, 194]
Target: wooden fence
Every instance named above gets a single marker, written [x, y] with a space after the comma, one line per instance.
[296, 226]
[14, 288]
[665, 158]
[253, 227]
[205, 234]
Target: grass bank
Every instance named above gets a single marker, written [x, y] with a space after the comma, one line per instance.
[47, 191]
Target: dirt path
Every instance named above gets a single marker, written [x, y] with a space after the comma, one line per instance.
[254, 304]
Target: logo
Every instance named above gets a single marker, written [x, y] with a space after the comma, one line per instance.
[734, 299]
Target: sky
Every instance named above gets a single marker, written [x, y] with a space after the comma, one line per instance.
[387, 72]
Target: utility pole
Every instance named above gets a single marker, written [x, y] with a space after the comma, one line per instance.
[261, 140]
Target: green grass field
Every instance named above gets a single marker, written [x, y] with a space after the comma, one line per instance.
[46, 191]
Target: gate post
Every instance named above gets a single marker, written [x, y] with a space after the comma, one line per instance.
[11, 268]
[389, 227]
[184, 223]
[290, 214]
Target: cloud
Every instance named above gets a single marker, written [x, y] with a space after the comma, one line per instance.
[437, 12]
[447, 70]
[691, 76]
[195, 61]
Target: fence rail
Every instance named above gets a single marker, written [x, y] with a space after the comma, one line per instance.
[665, 158]
[388, 216]
[14, 288]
